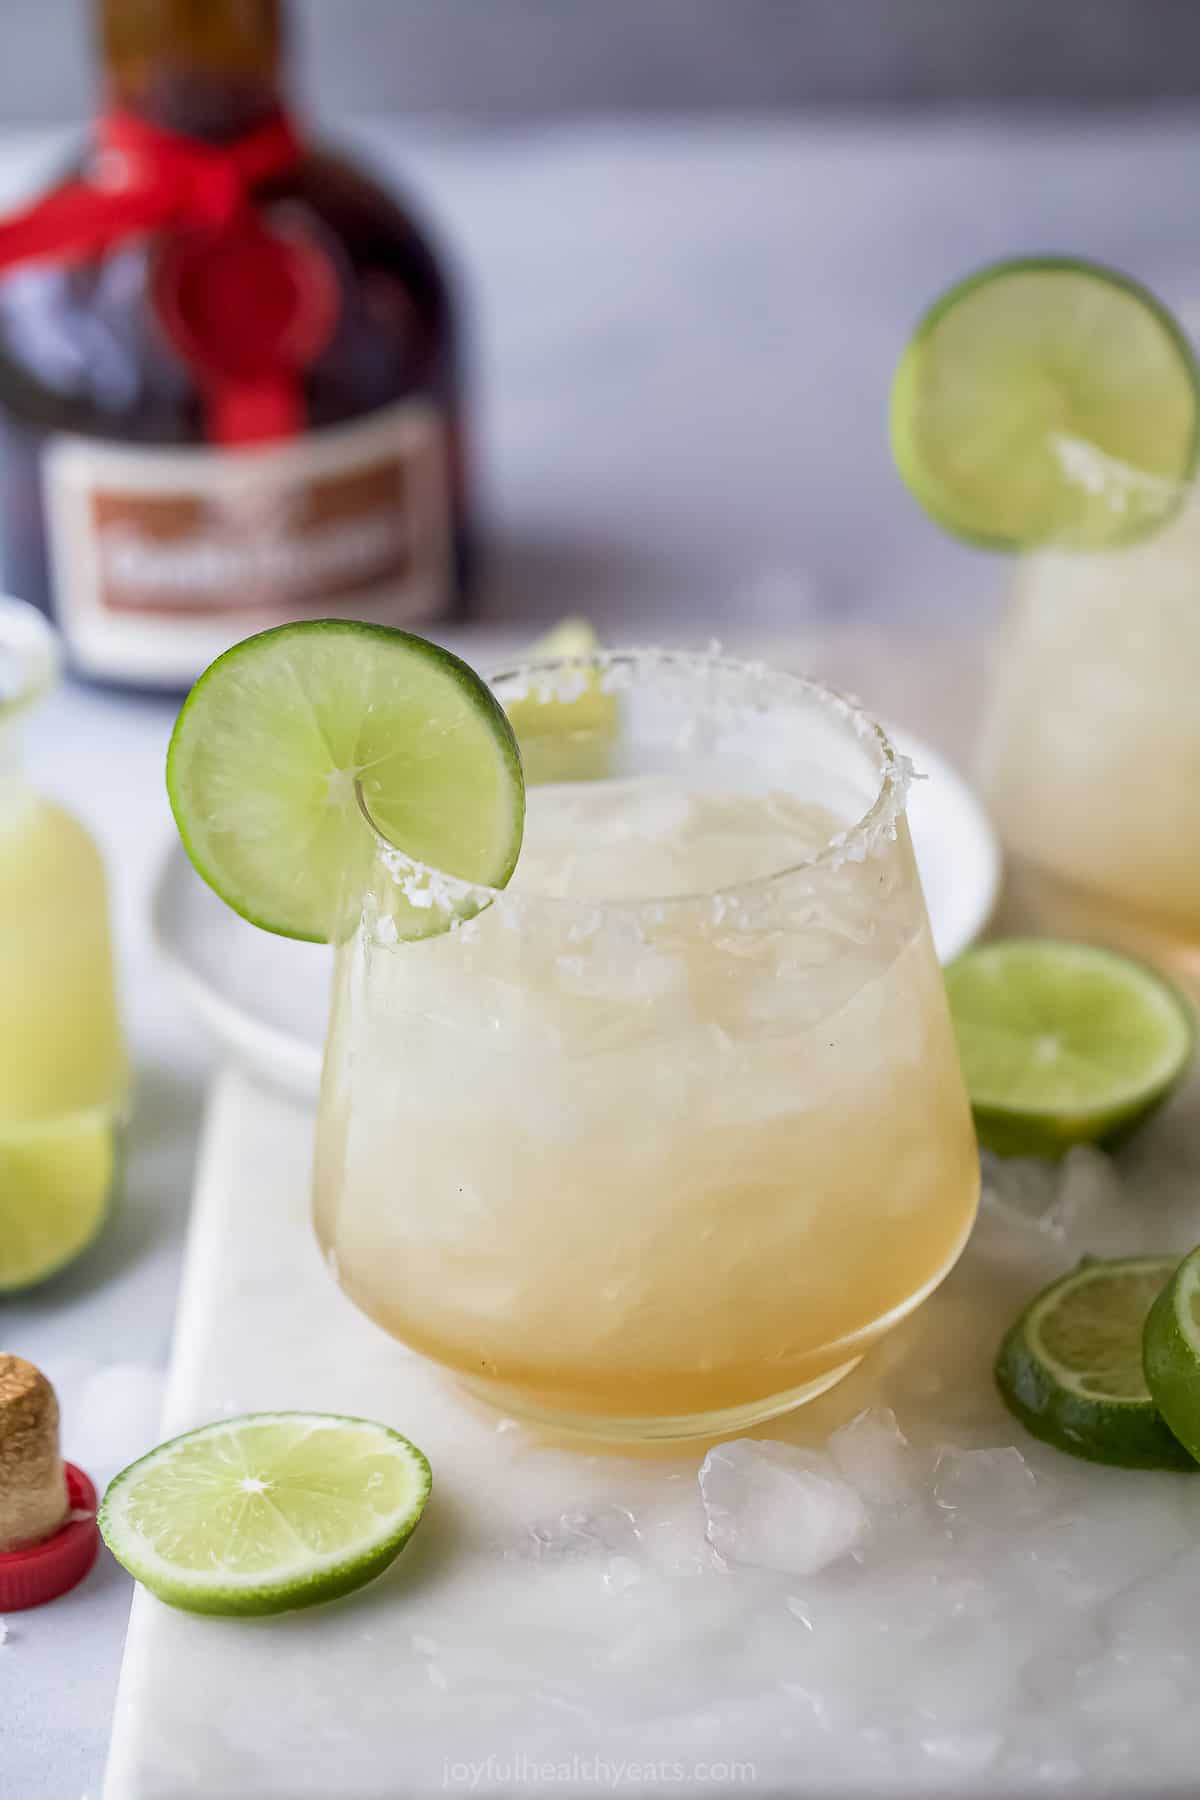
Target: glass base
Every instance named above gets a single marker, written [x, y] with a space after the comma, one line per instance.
[1034, 900]
[657, 1431]
[725, 1421]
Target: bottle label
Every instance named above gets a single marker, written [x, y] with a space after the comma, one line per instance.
[160, 558]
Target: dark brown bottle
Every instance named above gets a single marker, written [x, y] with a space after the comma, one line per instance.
[245, 406]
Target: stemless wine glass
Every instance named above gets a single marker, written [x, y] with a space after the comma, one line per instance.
[659, 1141]
[1092, 747]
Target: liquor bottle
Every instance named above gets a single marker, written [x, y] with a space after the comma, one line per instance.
[229, 381]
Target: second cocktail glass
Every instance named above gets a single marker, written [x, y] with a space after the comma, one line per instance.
[1092, 750]
[663, 1138]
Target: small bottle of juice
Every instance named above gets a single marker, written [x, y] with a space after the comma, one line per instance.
[63, 1073]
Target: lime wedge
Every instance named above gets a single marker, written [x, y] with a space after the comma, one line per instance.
[566, 734]
[570, 637]
[56, 1180]
[1071, 1367]
[1063, 1044]
[1171, 1352]
[265, 1513]
[282, 736]
[1046, 400]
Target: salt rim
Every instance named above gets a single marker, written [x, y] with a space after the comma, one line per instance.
[1123, 487]
[565, 678]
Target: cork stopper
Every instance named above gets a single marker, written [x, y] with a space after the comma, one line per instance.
[33, 1485]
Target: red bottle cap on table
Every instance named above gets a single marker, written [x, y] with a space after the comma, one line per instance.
[43, 1571]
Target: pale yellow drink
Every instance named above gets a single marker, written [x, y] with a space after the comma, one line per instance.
[651, 1167]
[60, 1046]
[1092, 751]
[63, 1074]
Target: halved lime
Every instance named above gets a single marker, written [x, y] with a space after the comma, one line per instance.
[1171, 1352]
[1063, 1044]
[267, 1512]
[56, 1180]
[1047, 400]
[281, 736]
[1071, 1367]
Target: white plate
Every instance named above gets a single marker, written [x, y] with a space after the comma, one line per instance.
[266, 998]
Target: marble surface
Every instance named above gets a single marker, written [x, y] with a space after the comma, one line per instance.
[892, 1592]
[684, 336]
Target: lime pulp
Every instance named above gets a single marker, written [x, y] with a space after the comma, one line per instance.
[1071, 1367]
[1047, 400]
[566, 732]
[290, 737]
[1063, 1043]
[267, 1512]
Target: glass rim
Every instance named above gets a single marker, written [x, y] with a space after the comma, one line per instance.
[1144, 503]
[850, 843]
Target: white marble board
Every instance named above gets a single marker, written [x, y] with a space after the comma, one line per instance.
[1003, 1621]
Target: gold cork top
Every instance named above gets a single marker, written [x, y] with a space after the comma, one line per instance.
[33, 1488]
[19, 1380]
[28, 1408]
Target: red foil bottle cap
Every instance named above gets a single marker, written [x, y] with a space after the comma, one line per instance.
[250, 307]
[43, 1571]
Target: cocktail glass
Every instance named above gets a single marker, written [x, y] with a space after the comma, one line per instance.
[1091, 753]
[663, 1138]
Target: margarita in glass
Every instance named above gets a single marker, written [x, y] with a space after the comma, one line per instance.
[1092, 752]
[664, 1137]
[1051, 407]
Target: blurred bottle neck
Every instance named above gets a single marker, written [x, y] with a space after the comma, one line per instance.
[210, 69]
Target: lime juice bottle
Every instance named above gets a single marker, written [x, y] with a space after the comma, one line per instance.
[63, 1073]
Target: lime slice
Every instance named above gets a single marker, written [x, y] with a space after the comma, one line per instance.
[1071, 1367]
[1063, 1044]
[55, 1183]
[1046, 400]
[280, 737]
[265, 1513]
[566, 736]
[1171, 1353]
